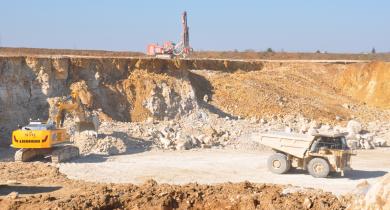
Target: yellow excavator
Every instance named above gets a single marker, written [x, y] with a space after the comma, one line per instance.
[51, 139]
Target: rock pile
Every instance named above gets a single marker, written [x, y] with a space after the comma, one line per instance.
[203, 129]
[88, 143]
[200, 128]
[357, 138]
[364, 138]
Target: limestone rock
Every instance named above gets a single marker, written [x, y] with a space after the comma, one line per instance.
[379, 142]
[377, 196]
[90, 144]
[166, 101]
[307, 203]
[354, 127]
[184, 144]
[13, 195]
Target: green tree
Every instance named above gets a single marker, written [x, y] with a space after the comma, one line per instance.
[249, 50]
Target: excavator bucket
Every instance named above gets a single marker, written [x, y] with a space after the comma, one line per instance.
[85, 126]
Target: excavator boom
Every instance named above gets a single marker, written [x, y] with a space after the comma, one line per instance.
[75, 106]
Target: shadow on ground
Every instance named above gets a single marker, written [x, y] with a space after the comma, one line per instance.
[216, 110]
[204, 87]
[7, 154]
[360, 174]
[7, 189]
[352, 175]
[134, 145]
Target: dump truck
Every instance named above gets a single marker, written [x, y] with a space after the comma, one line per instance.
[320, 153]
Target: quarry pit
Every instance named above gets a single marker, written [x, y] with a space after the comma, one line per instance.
[162, 110]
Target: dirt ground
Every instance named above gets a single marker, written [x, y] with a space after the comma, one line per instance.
[42, 186]
[219, 166]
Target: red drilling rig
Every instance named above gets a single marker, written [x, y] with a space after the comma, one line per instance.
[170, 49]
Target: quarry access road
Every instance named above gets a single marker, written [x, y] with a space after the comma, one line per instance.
[218, 166]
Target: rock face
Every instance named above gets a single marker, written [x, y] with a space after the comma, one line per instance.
[25, 86]
[139, 90]
[168, 101]
[368, 82]
[124, 89]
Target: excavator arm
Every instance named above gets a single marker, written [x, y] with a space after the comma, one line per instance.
[73, 104]
[62, 109]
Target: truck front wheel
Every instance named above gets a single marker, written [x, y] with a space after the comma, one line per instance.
[318, 168]
[278, 163]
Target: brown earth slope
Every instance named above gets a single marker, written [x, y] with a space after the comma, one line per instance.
[368, 83]
[282, 89]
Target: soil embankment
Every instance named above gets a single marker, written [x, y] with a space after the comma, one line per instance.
[43, 187]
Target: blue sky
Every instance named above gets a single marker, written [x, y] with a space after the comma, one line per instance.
[299, 25]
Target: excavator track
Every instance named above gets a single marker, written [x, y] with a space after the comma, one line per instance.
[58, 154]
[25, 155]
[64, 153]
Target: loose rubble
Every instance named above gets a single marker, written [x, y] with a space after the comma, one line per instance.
[203, 129]
[103, 145]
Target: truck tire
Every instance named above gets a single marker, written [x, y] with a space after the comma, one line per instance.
[318, 168]
[278, 163]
